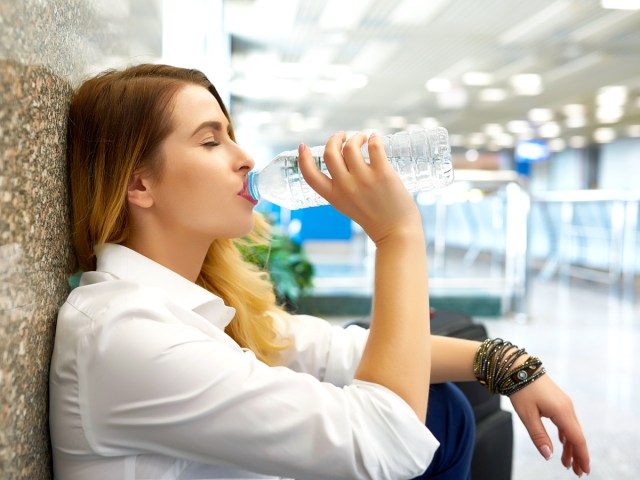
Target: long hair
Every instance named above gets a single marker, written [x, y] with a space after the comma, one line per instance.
[117, 122]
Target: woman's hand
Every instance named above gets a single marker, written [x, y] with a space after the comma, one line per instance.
[371, 194]
[543, 398]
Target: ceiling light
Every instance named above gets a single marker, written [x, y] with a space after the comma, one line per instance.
[612, 95]
[549, 130]
[528, 135]
[396, 121]
[574, 110]
[454, 99]
[578, 141]
[289, 70]
[280, 20]
[633, 130]
[540, 115]
[412, 12]
[492, 94]
[477, 79]
[438, 85]
[518, 126]
[526, 84]
[557, 145]
[429, 122]
[604, 135]
[340, 15]
[576, 122]
[505, 140]
[620, 4]
[609, 113]
[317, 57]
[493, 129]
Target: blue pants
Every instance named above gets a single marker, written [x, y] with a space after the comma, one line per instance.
[451, 420]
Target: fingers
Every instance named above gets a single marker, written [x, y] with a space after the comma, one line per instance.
[314, 177]
[377, 155]
[544, 399]
[352, 152]
[333, 158]
[538, 434]
[575, 451]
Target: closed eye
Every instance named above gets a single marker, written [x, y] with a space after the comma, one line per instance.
[211, 144]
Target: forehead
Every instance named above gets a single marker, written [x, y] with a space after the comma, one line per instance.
[195, 104]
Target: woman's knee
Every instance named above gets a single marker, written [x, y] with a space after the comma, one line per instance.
[450, 418]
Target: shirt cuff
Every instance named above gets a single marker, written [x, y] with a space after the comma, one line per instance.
[404, 446]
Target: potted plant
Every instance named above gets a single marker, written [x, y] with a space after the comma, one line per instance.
[287, 265]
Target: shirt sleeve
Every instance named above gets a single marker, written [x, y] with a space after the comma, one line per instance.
[328, 352]
[150, 386]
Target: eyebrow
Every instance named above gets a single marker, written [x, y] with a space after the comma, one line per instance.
[211, 124]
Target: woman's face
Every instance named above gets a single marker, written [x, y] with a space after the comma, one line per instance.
[200, 189]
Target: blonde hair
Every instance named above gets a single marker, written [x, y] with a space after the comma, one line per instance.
[117, 122]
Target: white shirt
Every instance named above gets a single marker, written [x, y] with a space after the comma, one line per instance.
[145, 384]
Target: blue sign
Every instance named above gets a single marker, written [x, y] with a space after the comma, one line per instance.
[530, 151]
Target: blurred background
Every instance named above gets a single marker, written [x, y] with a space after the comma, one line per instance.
[537, 238]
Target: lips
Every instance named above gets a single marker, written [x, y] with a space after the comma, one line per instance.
[244, 193]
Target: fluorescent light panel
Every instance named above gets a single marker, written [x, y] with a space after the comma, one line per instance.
[621, 4]
[477, 79]
[492, 94]
[340, 15]
[416, 12]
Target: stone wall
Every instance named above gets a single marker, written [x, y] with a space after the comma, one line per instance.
[46, 48]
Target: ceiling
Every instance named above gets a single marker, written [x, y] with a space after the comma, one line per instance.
[302, 69]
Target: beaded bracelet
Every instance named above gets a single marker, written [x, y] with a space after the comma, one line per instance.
[493, 362]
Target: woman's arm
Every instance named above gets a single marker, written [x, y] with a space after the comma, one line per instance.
[398, 353]
[452, 359]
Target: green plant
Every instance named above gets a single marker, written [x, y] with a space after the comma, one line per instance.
[287, 264]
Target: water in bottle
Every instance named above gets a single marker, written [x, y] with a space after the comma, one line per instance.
[422, 159]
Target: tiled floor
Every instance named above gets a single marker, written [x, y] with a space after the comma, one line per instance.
[589, 341]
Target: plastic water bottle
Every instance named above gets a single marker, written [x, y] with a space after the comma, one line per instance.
[422, 158]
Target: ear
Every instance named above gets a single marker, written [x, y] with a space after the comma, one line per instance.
[138, 191]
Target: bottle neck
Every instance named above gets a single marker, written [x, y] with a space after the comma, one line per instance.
[252, 182]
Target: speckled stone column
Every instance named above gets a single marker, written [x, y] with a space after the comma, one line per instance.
[43, 52]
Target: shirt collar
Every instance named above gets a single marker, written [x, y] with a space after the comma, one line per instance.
[127, 264]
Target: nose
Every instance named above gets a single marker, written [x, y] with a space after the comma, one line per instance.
[244, 160]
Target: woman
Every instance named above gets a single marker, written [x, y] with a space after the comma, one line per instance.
[171, 358]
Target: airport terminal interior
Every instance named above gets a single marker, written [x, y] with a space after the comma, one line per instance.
[538, 236]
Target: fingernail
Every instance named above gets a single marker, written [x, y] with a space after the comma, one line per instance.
[301, 148]
[546, 452]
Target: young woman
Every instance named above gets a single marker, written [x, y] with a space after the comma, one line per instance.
[172, 359]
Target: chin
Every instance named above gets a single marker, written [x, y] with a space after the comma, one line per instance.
[241, 230]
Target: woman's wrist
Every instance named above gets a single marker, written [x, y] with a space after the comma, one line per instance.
[504, 368]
